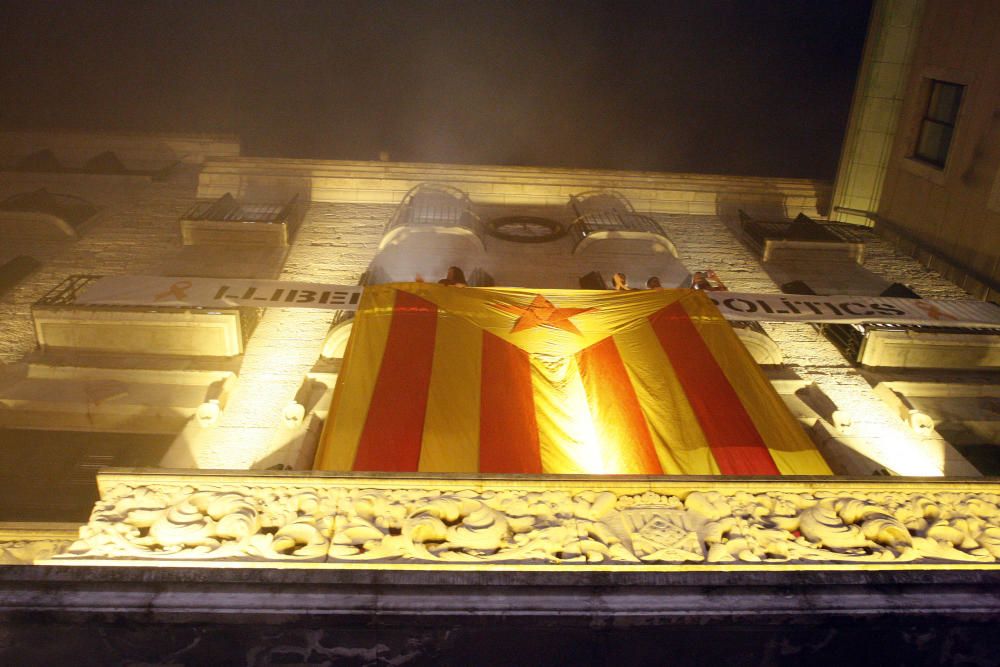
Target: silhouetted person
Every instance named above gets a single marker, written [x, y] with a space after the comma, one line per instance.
[455, 278]
[654, 283]
[700, 281]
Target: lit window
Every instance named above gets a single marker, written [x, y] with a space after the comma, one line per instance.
[938, 123]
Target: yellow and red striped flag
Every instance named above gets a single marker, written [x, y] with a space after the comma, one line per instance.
[461, 379]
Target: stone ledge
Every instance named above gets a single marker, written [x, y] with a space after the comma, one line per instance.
[166, 616]
[378, 182]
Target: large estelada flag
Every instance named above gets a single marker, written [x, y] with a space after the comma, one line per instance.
[461, 379]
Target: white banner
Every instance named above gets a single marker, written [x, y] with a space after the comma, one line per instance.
[228, 293]
[854, 309]
[218, 293]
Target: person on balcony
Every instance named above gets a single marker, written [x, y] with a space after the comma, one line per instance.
[620, 282]
[654, 283]
[455, 278]
[700, 281]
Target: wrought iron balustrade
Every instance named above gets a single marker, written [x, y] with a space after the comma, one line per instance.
[748, 325]
[65, 293]
[609, 214]
[850, 338]
[431, 205]
[614, 221]
[803, 228]
[227, 209]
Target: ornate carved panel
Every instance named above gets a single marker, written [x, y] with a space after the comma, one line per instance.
[572, 522]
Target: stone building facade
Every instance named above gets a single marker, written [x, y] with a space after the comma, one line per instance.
[208, 538]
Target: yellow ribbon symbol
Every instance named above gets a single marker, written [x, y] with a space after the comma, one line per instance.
[178, 291]
[933, 311]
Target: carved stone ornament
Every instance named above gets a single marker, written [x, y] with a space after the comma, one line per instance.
[439, 521]
[26, 552]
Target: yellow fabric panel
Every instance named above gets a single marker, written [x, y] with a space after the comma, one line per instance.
[680, 444]
[566, 438]
[790, 447]
[497, 310]
[356, 381]
[451, 426]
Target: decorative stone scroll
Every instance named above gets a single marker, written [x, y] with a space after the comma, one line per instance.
[27, 551]
[24, 543]
[571, 522]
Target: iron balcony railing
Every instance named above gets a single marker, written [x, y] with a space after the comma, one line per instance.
[65, 293]
[608, 211]
[802, 228]
[613, 221]
[227, 209]
[596, 201]
[435, 205]
[849, 338]
[749, 325]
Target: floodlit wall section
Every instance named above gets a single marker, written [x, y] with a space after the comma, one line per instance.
[275, 406]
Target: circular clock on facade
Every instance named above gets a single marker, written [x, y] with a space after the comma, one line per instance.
[525, 229]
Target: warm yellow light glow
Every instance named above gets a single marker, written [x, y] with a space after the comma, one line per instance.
[901, 450]
[284, 347]
[876, 431]
[568, 414]
[564, 422]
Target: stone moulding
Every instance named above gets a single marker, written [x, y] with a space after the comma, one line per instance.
[561, 522]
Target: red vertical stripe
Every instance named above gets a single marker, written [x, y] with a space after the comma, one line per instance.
[508, 432]
[736, 445]
[615, 408]
[394, 426]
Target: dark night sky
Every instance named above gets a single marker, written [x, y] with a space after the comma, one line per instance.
[746, 87]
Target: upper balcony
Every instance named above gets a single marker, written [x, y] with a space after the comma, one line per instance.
[226, 221]
[61, 323]
[603, 215]
[801, 234]
[439, 209]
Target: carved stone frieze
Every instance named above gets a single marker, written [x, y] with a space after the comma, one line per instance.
[211, 522]
[26, 552]
[542, 522]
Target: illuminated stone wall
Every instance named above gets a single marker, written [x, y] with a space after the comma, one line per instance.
[334, 244]
[137, 232]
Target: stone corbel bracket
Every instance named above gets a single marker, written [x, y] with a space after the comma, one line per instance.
[378, 521]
